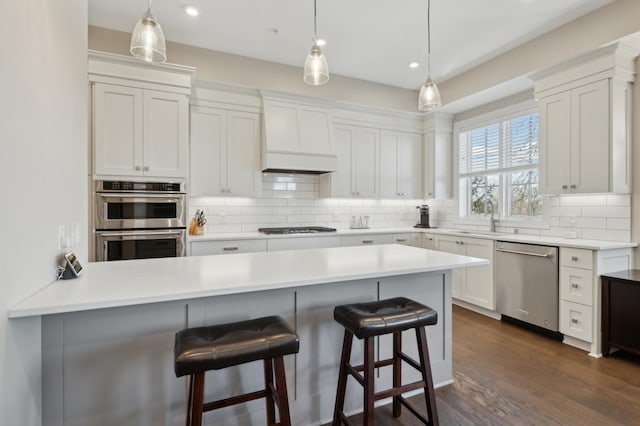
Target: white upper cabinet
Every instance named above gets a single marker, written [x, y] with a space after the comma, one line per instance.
[118, 124]
[438, 156]
[140, 117]
[225, 152]
[400, 165]
[357, 171]
[166, 134]
[585, 119]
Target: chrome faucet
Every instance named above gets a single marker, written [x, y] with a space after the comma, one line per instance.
[489, 203]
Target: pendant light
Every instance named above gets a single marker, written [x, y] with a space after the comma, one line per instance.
[316, 70]
[429, 98]
[147, 40]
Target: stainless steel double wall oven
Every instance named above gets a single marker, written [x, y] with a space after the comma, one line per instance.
[138, 220]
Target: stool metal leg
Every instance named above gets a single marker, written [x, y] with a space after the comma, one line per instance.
[369, 376]
[397, 371]
[198, 396]
[283, 400]
[342, 378]
[268, 386]
[429, 392]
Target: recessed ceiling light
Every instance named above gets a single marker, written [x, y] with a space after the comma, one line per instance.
[414, 64]
[321, 42]
[191, 10]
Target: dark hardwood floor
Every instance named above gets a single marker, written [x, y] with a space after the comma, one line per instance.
[506, 375]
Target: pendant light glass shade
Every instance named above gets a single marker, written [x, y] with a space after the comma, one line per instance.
[429, 98]
[316, 69]
[147, 40]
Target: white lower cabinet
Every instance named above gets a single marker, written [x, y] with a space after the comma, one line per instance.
[580, 296]
[576, 320]
[474, 285]
[413, 239]
[205, 248]
[364, 240]
[276, 244]
[429, 241]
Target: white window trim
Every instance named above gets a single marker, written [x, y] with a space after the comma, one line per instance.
[502, 114]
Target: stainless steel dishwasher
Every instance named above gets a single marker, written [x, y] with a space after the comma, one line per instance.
[527, 283]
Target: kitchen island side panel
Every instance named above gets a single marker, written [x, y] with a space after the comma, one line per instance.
[115, 366]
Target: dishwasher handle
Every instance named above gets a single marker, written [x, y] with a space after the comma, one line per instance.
[527, 253]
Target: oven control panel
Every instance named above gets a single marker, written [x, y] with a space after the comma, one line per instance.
[128, 186]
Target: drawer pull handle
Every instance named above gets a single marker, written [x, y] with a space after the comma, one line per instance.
[564, 187]
[401, 240]
[367, 241]
[574, 321]
[230, 248]
[574, 285]
[574, 258]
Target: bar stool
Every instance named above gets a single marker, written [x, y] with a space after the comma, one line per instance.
[367, 320]
[200, 349]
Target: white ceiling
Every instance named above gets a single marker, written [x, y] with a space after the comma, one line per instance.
[367, 39]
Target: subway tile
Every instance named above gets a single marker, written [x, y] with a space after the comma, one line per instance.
[618, 200]
[583, 200]
[606, 211]
[619, 223]
[591, 222]
[606, 234]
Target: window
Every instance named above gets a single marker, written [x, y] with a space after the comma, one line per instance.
[499, 168]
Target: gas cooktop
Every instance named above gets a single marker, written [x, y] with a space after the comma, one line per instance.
[296, 230]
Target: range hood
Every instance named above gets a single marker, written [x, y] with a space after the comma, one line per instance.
[297, 136]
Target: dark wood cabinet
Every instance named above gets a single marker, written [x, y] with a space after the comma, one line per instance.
[621, 311]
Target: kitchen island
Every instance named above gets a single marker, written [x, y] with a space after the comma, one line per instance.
[107, 337]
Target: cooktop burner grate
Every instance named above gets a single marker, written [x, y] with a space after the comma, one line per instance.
[296, 230]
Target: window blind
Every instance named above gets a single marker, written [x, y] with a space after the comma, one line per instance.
[509, 145]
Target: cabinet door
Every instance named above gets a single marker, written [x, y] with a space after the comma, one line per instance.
[555, 143]
[389, 159]
[452, 245]
[243, 153]
[165, 134]
[590, 129]
[409, 172]
[208, 136]
[117, 113]
[429, 241]
[365, 162]
[338, 183]
[478, 287]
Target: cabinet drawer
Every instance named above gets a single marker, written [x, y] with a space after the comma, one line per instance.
[364, 240]
[408, 239]
[293, 243]
[576, 320]
[576, 258]
[576, 285]
[428, 241]
[203, 248]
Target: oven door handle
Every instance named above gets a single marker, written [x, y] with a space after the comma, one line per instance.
[142, 235]
[172, 196]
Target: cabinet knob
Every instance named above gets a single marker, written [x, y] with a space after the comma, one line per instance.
[573, 186]
[565, 187]
[230, 248]
[574, 258]
[223, 190]
[367, 241]
[430, 193]
[401, 240]
[138, 168]
[146, 168]
[574, 321]
[574, 285]
[229, 191]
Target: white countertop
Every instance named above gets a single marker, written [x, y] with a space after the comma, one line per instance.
[133, 282]
[517, 238]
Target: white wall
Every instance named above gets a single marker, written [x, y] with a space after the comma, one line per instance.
[43, 169]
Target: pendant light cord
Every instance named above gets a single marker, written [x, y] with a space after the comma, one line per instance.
[429, 38]
[315, 25]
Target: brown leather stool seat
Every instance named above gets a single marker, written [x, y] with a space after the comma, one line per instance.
[200, 349]
[368, 320]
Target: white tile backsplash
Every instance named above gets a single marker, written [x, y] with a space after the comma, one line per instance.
[294, 200]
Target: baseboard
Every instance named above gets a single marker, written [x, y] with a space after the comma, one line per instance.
[486, 312]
